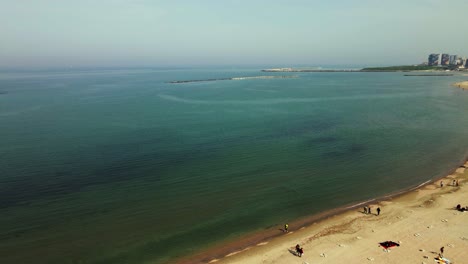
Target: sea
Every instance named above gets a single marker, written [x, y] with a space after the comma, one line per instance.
[122, 166]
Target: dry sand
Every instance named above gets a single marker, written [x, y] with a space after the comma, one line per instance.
[463, 85]
[422, 221]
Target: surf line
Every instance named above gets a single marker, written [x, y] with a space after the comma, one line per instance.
[236, 78]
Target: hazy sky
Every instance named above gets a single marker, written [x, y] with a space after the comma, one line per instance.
[203, 32]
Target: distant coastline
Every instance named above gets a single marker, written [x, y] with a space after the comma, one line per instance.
[403, 68]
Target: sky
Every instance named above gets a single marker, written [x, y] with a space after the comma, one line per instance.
[119, 33]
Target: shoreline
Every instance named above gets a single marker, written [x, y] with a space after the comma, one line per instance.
[246, 246]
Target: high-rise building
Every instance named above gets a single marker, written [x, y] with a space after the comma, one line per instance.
[445, 59]
[433, 60]
[453, 59]
[463, 63]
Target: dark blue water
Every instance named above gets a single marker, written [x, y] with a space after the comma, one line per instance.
[120, 166]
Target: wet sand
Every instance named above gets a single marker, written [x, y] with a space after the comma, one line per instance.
[421, 220]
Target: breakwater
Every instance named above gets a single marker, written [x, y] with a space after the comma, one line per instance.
[236, 78]
[307, 70]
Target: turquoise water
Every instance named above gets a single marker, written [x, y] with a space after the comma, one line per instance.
[119, 166]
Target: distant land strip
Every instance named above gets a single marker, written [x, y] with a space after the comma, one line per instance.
[435, 74]
[237, 78]
[309, 70]
[401, 68]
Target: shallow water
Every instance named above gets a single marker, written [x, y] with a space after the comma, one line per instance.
[119, 166]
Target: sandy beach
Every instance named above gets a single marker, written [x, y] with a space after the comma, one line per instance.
[422, 221]
[463, 85]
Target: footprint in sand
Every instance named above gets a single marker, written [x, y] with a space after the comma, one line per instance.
[444, 220]
[417, 235]
[370, 258]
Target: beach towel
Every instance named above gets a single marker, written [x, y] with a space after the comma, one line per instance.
[388, 244]
[442, 260]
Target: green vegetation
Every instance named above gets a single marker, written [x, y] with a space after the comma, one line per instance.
[406, 68]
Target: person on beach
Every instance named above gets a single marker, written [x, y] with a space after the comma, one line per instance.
[456, 184]
[369, 210]
[286, 226]
[300, 252]
[365, 209]
[441, 184]
[441, 252]
[298, 248]
[378, 210]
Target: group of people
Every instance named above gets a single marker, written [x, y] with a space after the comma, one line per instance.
[367, 210]
[299, 250]
[462, 209]
[454, 183]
